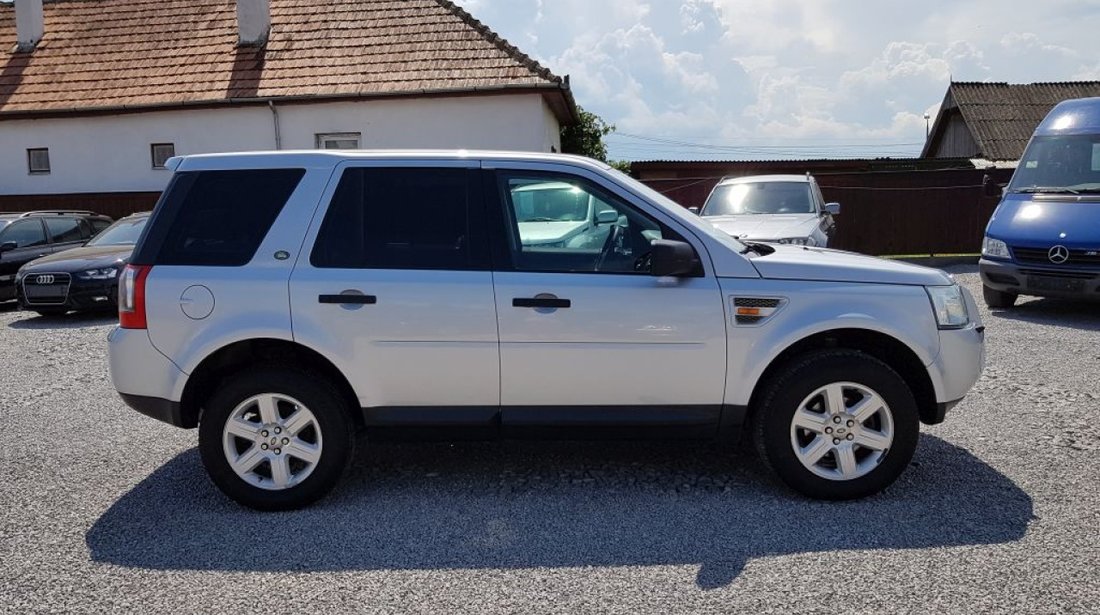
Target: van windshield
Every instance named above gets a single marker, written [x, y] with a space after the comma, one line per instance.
[1064, 164]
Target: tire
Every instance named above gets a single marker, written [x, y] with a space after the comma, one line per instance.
[51, 312]
[998, 299]
[852, 465]
[320, 446]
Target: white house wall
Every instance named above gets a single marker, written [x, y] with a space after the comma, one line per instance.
[112, 153]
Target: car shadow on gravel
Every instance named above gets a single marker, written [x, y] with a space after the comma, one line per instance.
[527, 505]
[72, 320]
[1054, 312]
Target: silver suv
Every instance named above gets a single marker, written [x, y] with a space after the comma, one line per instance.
[282, 301]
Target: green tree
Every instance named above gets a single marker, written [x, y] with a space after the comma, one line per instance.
[585, 138]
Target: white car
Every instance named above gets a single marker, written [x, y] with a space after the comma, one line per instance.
[560, 214]
[785, 209]
[282, 301]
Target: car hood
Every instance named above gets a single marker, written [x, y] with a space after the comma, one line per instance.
[1046, 220]
[766, 226]
[824, 265]
[535, 233]
[80, 259]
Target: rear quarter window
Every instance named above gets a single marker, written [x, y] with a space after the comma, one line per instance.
[216, 218]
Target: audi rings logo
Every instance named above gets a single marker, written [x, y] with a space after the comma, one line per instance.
[1058, 255]
[44, 279]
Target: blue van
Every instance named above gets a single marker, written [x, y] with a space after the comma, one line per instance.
[1044, 237]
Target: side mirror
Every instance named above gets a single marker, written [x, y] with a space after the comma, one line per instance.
[991, 188]
[694, 210]
[8, 246]
[672, 258]
[607, 216]
[832, 209]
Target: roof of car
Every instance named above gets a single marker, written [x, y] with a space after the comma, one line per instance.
[46, 212]
[330, 158]
[754, 179]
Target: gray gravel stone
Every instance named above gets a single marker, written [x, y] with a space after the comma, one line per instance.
[104, 510]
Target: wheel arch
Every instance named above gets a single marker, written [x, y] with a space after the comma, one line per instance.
[890, 350]
[240, 355]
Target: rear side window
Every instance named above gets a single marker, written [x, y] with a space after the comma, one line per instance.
[64, 230]
[404, 218]
[216, 218]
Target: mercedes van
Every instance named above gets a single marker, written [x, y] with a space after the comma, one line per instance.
[1044, 237]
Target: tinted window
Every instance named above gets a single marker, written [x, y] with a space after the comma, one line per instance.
[760, 198]
[63, 230]
[586, 230]
[398, 219]
[98, 224]
[124, 232]
[25, 233]
[218, 218]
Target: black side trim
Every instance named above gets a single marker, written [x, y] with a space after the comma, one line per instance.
[934, 415]
[732, 423]
[170, 412]
[347, 299]
[432, 416]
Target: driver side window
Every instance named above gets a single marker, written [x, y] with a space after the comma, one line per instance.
[561, 223]
[24, 234]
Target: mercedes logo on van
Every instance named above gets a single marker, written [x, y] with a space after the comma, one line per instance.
[1058, 255]
[43, 279]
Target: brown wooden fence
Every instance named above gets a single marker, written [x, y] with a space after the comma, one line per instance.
[889, 212]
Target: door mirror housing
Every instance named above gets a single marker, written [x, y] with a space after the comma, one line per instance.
[694, 210]
[607, 216]
[673, 258]
[832, 209]
[991, 188]
[8, 246]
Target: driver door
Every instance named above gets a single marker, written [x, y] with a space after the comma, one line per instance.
[587, 335]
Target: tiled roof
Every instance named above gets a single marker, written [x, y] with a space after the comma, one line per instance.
[1002, 116]
[99, 54]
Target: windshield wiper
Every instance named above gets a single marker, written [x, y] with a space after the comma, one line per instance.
[1046, 190]
[762, 249]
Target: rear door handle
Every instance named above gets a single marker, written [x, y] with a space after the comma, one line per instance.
[348, 299]
[541, 302]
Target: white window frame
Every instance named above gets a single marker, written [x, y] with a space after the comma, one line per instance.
[327, 137]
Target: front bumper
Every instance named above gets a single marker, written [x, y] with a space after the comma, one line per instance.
[1039, 280]
[82, 295]
[959, 364]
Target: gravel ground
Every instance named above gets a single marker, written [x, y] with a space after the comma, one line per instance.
[103, 510]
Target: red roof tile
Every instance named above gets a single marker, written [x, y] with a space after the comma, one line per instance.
[137, 53]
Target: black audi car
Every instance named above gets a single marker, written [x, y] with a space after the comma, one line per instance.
[81, 279]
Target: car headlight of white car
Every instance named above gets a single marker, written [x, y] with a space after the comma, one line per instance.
[995, 248]
[949, 305]
[107, 273]
[797, 241]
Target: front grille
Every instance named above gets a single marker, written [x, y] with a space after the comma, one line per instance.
[46, 288]
[1058, 273]
[1077, 258]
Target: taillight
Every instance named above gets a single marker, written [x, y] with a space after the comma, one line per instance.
[131, 296]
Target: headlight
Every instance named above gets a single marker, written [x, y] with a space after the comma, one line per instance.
[949, 305]
[995, 248]
[107, 273]
[797, 241]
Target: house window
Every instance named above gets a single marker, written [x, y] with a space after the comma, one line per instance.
[338, 140]
[161, 153]
[38, 160]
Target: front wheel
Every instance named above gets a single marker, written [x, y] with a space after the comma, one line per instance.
[275, 438]
[998, 299]
[837, 425]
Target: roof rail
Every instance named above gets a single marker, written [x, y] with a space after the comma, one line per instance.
[57, 212]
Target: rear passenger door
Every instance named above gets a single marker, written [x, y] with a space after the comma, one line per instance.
[65, 233]
[394, 286]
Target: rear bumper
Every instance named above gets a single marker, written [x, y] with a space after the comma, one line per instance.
[1009, 277]
[147, 381]
[165, 410]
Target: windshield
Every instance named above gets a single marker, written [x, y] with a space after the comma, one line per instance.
[760, 198]
[550, 202]
[122, 233]
[1064, 163]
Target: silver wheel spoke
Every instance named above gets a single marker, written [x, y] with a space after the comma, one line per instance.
[248, 460]
[280, 471]
[302, 450]
[242, 429]
[811, 421]
[298, 421]
[866, 408]
[874, 440]
[814, 451]
[846, 461]
[834, 398]
[268, 411]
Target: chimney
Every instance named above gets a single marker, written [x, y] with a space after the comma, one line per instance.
[29, 24]
[253, 22]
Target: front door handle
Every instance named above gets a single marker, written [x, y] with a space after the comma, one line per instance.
[541, 302]
[348, 299]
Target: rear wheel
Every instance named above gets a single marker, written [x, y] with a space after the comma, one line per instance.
[276, 438]
[836, 425]
[998, 299]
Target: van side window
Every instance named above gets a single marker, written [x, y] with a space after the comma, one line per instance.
[219, 218]
[399, 218]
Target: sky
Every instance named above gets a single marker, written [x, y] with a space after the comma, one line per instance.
[770, 79]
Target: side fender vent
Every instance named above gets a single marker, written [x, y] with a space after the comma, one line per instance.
[755, 311]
